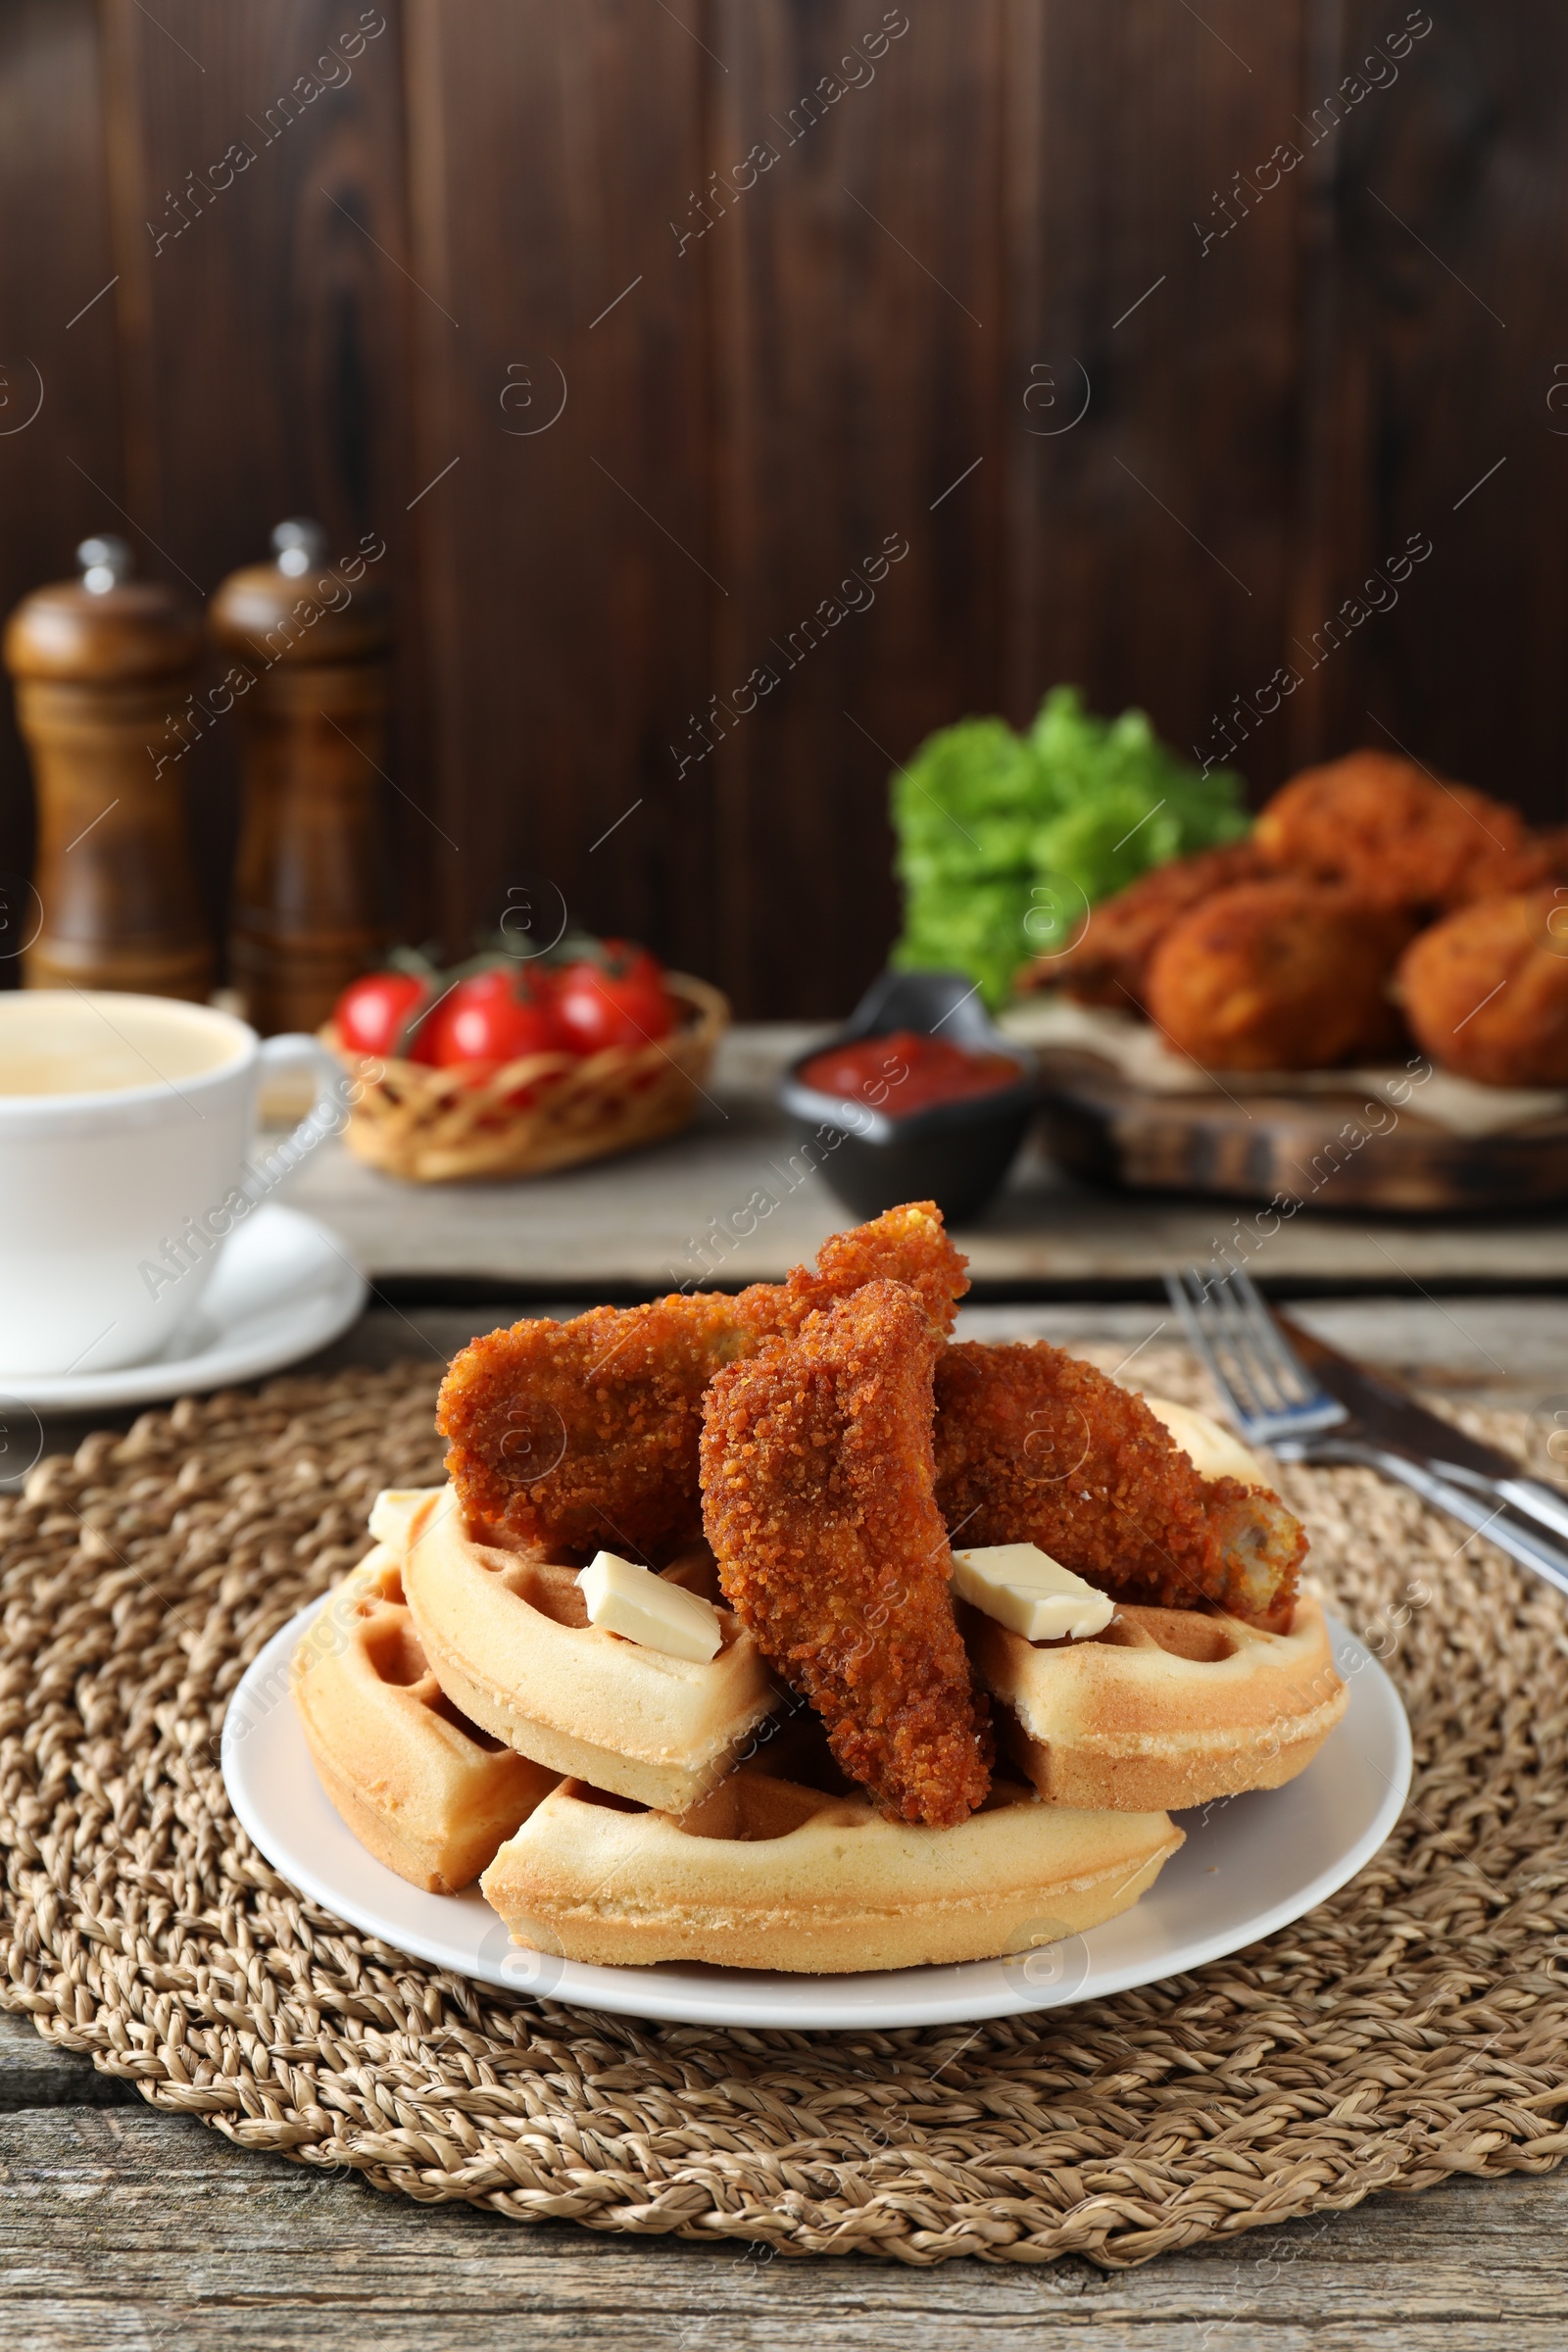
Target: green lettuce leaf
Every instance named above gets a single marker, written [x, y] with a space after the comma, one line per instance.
[1006, 840]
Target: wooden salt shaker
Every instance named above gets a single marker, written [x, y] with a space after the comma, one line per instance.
[102, 666]
[310, 687]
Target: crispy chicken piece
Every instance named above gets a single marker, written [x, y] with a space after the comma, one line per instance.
[818, 1501]
[1281, 975]
[1033, 1447]
[1397, 836]
[907, 1244]
[1110, 964]
[1553, 847]
[567, 1436]
[1486, 991]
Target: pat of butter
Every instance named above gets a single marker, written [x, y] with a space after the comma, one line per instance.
[640, 1606]
[1029, 1592]
[393, 1511]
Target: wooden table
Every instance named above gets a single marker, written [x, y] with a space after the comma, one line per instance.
[664, 1216]
[122, 2226]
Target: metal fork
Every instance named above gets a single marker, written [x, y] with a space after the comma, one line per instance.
[1275, 1402]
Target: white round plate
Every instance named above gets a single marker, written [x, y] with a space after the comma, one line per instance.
[1250, 1864]
[283, 1287]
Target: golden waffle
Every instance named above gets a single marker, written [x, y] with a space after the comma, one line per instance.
[1167, 1707]
[429, 1794]
[769, 1873]
[508, 1640]
[1213, 1450]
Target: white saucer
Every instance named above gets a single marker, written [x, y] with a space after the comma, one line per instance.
[283, 1287]
[1249, 1865]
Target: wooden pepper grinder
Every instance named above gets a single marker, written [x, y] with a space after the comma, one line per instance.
[311, 643]
[103, 666]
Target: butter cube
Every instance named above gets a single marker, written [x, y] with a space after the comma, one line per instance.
[1029, 1592]
[640, 1606]
[392, 1512]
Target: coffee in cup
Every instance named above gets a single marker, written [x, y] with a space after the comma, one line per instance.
[125, 1160]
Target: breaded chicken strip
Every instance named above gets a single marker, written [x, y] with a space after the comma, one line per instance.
[1110, 964]
[1486, 991]
[817, 1502]
[1033, 1447]
[575, 1435]
[1281, 975]
[1397, 836]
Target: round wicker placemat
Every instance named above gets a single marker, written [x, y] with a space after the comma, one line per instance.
[1415, 2025]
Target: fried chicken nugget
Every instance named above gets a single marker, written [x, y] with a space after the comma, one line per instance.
[568, 1436]
[1110, 964]
[1486, 991]
[1552, 846]
[1033, 1447]
[818, 1501]
[1397, 836]
[1281, 975]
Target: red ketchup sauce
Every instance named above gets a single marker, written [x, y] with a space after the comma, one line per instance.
[905, 1071]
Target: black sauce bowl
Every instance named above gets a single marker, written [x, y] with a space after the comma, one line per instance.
[955, 1153]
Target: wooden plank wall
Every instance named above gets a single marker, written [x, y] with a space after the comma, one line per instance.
[714, 372]
[569, 552]
[60, 470]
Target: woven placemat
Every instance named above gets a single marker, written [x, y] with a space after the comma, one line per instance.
[1413, 2026]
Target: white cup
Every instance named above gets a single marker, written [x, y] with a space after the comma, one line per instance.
[115, 1198]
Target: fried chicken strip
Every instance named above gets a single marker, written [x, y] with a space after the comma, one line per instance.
[1033, 1447]
[1110, 964]
[1397, 835]
[568, 1436]
[1282, 975]
[816, 1469]
[1486, 991]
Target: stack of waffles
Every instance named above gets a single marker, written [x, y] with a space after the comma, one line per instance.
[624, 1806]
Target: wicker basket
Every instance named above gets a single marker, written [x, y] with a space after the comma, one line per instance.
[438, 1126]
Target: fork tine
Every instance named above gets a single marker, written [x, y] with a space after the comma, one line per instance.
[1189, 1304]
[1266, 1389]
[1256, 1390]
[1240, 1341]
[1296, 1385]
[1186, 1315]
[1251, 1330]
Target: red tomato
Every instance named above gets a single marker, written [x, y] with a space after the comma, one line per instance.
[596, 1006]
[370, 1012]
[627, 959]
[486, 1017]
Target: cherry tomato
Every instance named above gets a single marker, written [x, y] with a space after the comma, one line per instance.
[627, 959]
[370, 1012]
[487, 1017]
[596, 1005]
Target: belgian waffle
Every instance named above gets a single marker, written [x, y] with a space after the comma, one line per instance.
[429, 1794]
[1165, 1707]
[508, 1640]
[771, 1873]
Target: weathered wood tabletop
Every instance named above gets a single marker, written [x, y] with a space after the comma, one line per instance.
[125, 2227]
[120, 2226]
[736, 1200]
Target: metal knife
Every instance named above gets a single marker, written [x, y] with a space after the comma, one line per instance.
[1479, 1485]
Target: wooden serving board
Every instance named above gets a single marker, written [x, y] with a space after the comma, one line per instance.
[1321, 1151]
